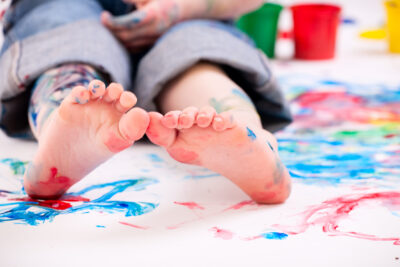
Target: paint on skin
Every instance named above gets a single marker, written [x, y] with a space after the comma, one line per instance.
[221, 233]
[242, 95]
[134, 226]
[35, 212]
[329, 214]
[130, 20]
[251, 134]
[270, 146]
[190, 205]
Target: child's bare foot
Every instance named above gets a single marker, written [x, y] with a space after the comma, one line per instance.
[89, 127]
[246, 154]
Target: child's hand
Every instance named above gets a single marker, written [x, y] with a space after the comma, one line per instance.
[143, 26]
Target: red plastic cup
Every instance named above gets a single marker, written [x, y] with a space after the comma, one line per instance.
[314, 28]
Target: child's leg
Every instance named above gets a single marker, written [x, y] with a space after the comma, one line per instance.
[231, 142]
[79, 125]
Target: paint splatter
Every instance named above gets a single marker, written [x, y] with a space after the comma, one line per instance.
[155, 158]
[100, 226]
[343, 133]
[134, 226]
[221, 233]
[35, 212]
[17, 166]
[242, 204]
[190, 205]
[251, 134]
[274, 235]
[330, 213]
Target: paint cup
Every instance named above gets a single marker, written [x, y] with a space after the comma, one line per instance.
[314, 28]
[393, 25]
[261, 25]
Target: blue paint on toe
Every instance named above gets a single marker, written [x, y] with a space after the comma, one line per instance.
[270, 146]
[251, 134]
[274, 235]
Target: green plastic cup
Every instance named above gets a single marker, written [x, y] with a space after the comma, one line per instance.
[262, 26]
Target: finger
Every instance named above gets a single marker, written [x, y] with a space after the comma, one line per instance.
[131, 35]
[141, 43]
[137, 18]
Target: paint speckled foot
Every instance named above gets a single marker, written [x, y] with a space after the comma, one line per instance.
[89, 127]
[245, 154]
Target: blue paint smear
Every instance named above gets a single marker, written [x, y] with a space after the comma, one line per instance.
[100, 226]
[155, 158]
[317, 150]
[274, 235]
[17, 166]
[201, 176]
[251, 134]
[242, 95]
[31, 213]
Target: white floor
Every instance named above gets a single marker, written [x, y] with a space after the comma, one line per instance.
[198, 221]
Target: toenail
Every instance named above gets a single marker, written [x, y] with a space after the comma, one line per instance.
[218, 119]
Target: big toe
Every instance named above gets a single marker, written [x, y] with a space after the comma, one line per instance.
[133, 125]
[158, 133]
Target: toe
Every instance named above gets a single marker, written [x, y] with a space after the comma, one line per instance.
[223, 121]
[79, 95]
[133, 124]
[171, 119]
[205, 116]
[158, 133]
[113, 92]
[125, 102]
[187, 118]
[96, 89]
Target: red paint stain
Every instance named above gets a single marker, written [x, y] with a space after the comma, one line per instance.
[55, 178]
[26, 77]
[190, 205]
[221, 233]
[388, 136]
[241, 205]
[61, 204]
[116, 144]
[134, 226]
[182, 155]
[331, 212]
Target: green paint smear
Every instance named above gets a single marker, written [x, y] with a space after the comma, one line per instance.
[17, 166]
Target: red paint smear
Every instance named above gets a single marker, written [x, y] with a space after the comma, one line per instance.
[351, 108]
[61, 204]
[241, 205]
[190, 205]
[221, 233]
[331, 212]
[53, 204]
[74, 198]
[134, 226]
